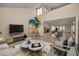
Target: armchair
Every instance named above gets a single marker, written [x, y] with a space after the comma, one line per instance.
[60, 51]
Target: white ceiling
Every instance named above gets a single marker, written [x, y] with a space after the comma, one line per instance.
[64, 21]
[31, 5]
[20, 5]
[54, 5]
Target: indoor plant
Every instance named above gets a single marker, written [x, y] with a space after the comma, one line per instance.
[36, 24]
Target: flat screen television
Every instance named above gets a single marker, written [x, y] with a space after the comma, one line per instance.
[15, 28]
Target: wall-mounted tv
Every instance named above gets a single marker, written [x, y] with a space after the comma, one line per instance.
[13, 28]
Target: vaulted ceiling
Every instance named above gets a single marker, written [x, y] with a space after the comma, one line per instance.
[32, 5]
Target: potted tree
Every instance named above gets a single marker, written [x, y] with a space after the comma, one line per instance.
[36, 24]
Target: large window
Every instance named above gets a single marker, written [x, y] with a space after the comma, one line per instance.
[41, 10]
[46, 10]
[62, 28]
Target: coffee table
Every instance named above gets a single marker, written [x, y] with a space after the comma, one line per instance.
[28, 47]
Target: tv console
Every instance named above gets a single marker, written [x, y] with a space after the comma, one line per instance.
[19, 38]
[16, 38]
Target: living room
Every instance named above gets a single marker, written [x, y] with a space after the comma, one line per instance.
[15, 15]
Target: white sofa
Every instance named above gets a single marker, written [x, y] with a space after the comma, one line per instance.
[6, 50]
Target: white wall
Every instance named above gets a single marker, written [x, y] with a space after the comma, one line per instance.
[14, 16]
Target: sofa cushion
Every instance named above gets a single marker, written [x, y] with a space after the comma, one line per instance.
[3, 46]
[2, 40]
